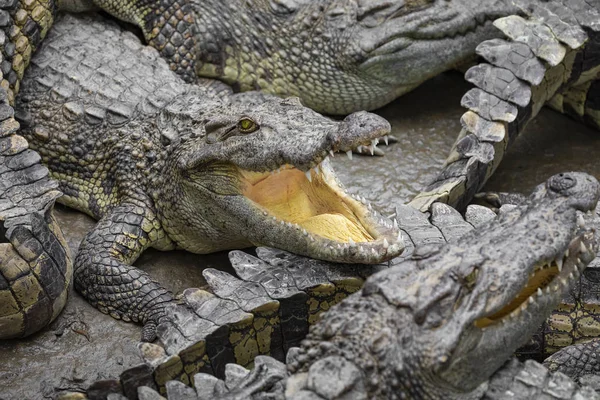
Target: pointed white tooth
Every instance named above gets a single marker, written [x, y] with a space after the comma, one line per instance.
[539, 292]
[308, 175]
[567, 253]
[385, 243]
[349, 154]
[304, 232]
[282, 223]
[580, 221]
[547, 289]
[582, 247]
[369, 207]
[265, 213]
[317, 170]
[331, 153]
[373, 251]
[571, 276]
[399, 238]
[579, 262]
[372, 149]
[386, 139]
[395, 223]
[559, 263]
[351, 241]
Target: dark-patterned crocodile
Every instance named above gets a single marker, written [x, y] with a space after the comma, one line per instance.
[165, 164]
[340, 56]
[439, 324]
[35, 263]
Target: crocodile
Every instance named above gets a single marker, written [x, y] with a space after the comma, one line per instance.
[340, 56]
[418, 329]
[164, 164]
[35, 263]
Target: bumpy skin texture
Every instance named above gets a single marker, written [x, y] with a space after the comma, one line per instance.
[156, 160]
[35, 263]
[338, 56]
[344, 55]
[382, 342]
[550, 57]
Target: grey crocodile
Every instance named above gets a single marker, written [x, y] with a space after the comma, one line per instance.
[440, 324]
[164, 164]
[35, 263]
[341, 56]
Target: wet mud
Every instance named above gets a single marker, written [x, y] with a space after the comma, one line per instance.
[84, 345]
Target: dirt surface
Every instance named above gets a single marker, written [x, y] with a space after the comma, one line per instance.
[84, 345]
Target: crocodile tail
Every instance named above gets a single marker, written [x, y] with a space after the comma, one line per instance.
[35, 263]
[555, 48]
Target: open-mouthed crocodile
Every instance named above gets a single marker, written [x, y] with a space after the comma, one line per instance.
[437, 326]
[340, 56]
[169, 165]
[35, 265]
[550, 58]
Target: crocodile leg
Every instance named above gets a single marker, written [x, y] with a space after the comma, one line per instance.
[557, 48]
[104, 278]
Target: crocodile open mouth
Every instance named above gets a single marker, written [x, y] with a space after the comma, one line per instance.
[314, 204]
[548, 278]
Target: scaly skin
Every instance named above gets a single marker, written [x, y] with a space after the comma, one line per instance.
[551, 57]
[437, 326]
[35, 263]
[340, 56]
[168, 165]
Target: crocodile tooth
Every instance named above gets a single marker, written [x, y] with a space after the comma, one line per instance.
[399, 238]
[374, 252]
[559, 263]
[395, 223]
[289, 224]
[369, 207]
[349, 154]
[304, 232]
[567, 253]
[385, 243]
[539, 292]
[265, 213]
[282, 223]
[317, 169]
[331, 153]
[548, 289]
[308, 175]
[564, 282]
[580, 221]
[571, 275]
[582, 247]
[386, 140]
[579, 261]
[351, 241]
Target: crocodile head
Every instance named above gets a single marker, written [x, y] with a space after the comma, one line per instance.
[257, 173]
[340, 56]
[439, 327]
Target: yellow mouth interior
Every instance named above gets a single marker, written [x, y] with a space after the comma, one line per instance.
[315, 206]
[540, 279]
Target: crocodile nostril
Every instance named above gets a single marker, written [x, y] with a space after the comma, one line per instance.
[561, 182]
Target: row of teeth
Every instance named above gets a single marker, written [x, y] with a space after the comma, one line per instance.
[363, 149]
[561, 284]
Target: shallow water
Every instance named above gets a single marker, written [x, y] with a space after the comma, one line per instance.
[84, 345]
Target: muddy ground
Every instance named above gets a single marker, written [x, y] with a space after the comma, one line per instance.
[84, 345]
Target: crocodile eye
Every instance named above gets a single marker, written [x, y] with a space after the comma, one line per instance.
[471, 278]
[247, 125]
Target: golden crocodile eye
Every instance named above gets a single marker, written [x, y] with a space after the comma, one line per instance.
[246, 125]
[471, 278]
